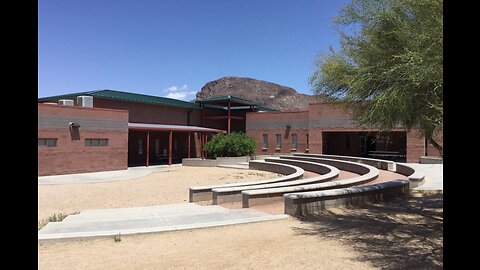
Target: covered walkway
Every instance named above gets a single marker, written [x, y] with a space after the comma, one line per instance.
[155, 144]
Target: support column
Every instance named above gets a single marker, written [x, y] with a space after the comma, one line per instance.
[201, 145]
[228, 130]
[188, 151]
[148, 146]
[170, 148]
[205, 142]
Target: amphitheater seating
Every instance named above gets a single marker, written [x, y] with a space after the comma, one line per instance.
[233, 194]
[308, 203]
[378, 163]
[204, 193]
[251, 196]
[416, 177]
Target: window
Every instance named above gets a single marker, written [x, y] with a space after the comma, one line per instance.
[140, 146]
[265, 141]
[278, 144]
[96, 142]
[47, 142]
[294, 141]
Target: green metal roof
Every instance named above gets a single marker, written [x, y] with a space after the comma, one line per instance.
[232, 99]
[227, 98]
[141, 98]
[126, 96]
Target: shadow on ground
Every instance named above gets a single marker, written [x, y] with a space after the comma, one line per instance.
[406, 233]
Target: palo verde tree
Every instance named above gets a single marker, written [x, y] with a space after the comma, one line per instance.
[389, 68]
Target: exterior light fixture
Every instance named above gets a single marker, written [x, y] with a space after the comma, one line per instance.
[73, 125]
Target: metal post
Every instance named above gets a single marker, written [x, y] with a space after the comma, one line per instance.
[148, 146]
[170, 148]
[205, 142]
[188, 145]
[229, 117]
[201, 145]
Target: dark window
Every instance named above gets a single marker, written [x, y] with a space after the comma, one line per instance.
[265, 141]
[294, 141]
[307, 141]
[278, 144]
[47, 142]
[96, 142]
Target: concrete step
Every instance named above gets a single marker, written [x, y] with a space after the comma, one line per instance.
[144, 214]
[234, 166]
[178, 206]
[205, 216]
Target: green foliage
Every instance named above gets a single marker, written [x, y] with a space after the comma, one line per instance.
[235, 144]
[117, 238]
[389, 69]
[54, 218]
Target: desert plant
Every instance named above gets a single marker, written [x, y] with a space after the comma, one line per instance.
[235, 144]
[54, 218]
[117, 238]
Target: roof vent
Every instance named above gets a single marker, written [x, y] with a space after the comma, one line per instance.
[85, 101]
[65, 102]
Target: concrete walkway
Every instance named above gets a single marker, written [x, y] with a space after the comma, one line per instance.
[136, 220]
[100, 177]
[433, 177]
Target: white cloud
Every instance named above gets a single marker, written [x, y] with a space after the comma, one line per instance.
[175, 88]
[177, 95]
[171, 89]
[179, 92]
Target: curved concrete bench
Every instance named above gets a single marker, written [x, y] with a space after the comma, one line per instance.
[307, 203]
[416, 177]
[263, 196]
[378, 163]
[204, 193]
[233, 194]
[344, 165]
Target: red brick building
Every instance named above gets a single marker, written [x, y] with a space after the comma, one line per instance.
[329, 129]
[111, 130]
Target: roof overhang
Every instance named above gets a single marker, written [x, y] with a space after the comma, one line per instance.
[178, 128]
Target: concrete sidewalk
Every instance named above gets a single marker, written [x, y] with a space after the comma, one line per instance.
[161, 218]
[107, 176]
[433, 177]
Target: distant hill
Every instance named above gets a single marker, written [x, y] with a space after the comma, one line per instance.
[268, 94]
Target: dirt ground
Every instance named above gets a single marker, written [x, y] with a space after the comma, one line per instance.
[156, 188]
[406, 233]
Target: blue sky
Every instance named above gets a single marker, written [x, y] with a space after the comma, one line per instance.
[172, 48]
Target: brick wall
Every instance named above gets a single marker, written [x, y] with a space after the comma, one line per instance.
[431, 150]
[415, 146]
[71, 155]
[151, 114]
[272, 123]
[321, 117]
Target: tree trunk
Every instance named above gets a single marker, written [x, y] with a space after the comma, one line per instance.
[437, 146]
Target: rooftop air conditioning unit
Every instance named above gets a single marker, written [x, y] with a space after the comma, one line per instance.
[65, 102]
[85, 101]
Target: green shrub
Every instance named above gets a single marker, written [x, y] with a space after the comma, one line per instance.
[235, 144]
